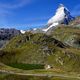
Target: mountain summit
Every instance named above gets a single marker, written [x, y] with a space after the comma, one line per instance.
[62, 16]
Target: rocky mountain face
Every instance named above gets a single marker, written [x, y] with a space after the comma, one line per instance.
[6, 35]
[75, 22]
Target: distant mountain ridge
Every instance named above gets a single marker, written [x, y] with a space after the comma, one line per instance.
[6, 35]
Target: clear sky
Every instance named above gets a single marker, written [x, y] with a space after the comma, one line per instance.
[25, 14]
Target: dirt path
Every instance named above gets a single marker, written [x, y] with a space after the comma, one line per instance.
[44, 75]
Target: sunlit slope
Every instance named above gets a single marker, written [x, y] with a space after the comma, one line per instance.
[41, 49]
[68, 34]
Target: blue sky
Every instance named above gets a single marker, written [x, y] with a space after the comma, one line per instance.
[25, 14]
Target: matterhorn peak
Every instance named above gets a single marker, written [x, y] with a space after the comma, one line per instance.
[61, 5]
[62, 16]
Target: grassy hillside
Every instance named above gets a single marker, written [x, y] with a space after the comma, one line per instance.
[68, 34]
[43, 49]
[31, 48]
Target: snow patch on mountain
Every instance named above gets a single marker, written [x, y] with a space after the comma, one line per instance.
[55, 24]
[22, 31]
